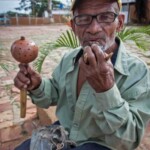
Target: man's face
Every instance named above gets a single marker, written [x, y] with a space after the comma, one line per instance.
[96, 32]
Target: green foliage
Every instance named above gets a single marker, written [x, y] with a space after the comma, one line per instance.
[139, 35]
[67, 39]
[4, 63]
[36, 6]
[43, 53]
[4, 67]
[8, 66]
[13, 14]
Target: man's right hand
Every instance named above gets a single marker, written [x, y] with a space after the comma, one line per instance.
[27, 78]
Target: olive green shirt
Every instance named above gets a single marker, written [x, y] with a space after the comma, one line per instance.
[116, 118]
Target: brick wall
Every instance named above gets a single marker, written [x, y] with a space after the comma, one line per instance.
[36, 20]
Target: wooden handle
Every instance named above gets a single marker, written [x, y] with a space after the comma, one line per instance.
[23, 101]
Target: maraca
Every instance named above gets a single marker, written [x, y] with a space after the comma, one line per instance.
[24, 51]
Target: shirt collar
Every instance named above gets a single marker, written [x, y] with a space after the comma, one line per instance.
[79, 54]
[121, 63]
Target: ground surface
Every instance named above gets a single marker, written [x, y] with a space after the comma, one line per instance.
[12, 128]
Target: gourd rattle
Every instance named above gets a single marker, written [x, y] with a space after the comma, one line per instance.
[24, 51]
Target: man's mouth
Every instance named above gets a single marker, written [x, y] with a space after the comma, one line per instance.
[99, 42]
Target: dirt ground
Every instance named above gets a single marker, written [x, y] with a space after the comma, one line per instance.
[40, 35]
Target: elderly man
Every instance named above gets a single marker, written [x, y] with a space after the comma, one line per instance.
[101, 91]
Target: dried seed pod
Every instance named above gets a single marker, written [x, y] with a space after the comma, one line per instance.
[24, 51]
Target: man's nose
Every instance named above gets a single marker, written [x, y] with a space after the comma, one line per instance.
[94, 27]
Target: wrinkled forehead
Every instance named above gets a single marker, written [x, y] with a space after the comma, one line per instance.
[87, 4]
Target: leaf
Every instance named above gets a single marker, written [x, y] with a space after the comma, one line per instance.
[7, 67]
[44, 52]
[139, 35]
[67, 39]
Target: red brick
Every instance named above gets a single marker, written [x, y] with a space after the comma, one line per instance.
[6, 115]
[3, 93]
[30, 104]
[6, 118]
[15, 90]
[5, 78]
[11, 133]
[5, 124]
[30, 114]
[7, 82]
[5, 106]
[4, 99]
[1, 89]
[12, 144]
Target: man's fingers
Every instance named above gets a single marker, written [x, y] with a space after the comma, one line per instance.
[23, 68]
[23, 78]
[82, 63]
[19, 84]
[27, 78]
[88, 56]
[30, 71]
[85, 58]
[99, 54]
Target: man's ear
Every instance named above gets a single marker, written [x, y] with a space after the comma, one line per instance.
[121, 19]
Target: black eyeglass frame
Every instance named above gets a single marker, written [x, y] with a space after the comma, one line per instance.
[94, 16]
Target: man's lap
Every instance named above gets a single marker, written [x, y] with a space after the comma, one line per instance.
[88, 146]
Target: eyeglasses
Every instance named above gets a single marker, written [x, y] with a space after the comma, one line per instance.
[85, 19]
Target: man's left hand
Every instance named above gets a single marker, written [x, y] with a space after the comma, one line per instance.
[97, 69]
